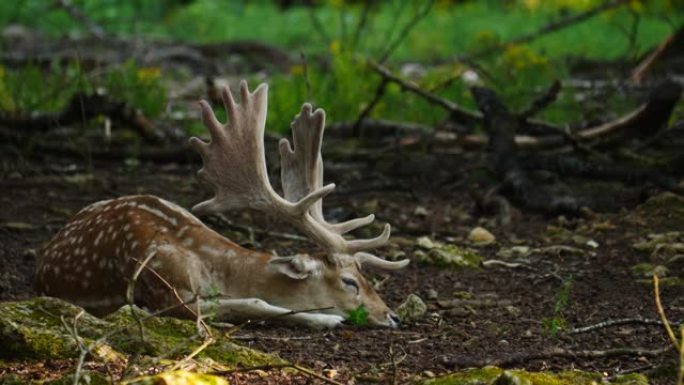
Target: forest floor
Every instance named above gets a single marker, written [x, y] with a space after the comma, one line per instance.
[576, 272]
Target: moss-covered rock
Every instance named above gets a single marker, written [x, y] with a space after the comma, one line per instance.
[496, 376]
[445, 254]
[38, 329]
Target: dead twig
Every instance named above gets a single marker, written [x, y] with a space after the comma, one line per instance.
[647, 64]
[83, 349]
[130, 290]
[358, 130]
[677, 344]
[458, 113]
[616, 322]
[549, 96]
[661, 312]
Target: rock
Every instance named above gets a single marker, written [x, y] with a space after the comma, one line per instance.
[480, 236]
[426, 243]
[514, 252]
[508, 378]
[513, 310]
[33, 329]
[432, 294]
[444, 254]
[421, 211]
[412, 309]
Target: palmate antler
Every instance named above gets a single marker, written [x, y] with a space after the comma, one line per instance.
[235, 168]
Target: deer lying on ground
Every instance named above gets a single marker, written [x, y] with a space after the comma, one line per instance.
[171, 256]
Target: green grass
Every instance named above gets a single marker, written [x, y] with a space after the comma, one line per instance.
[447, 31]
[346, 84]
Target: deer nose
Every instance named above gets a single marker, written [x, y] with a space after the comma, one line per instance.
[393, 319]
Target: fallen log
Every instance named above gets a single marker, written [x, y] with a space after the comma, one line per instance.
[645, 120]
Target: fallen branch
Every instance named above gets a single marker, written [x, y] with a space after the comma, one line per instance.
[458, 113]
[82, 108]
[645, 120]
[549, 96]
[616, 322]
[651, 59]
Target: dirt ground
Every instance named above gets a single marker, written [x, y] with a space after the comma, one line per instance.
[499, 314]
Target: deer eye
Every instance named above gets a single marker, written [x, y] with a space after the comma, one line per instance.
[351, 283]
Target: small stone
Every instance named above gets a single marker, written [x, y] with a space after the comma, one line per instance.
[432, 294]
[481, 236]
[592, 243]
[660, 271]
[426, 243]
[428, 374]
[421, 211]
[508, 378]
[513, 310]
[412, 309]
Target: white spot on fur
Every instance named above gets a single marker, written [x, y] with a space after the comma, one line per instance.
[214, 252]
[99, 236]
[182, 231]
[178, 210]
[157, 213]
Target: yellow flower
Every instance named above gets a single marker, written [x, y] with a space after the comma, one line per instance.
[148, 73]
[335, 47]
[531, 4]
[297, 70]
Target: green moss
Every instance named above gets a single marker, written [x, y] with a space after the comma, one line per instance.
[486, 375]
[12, 379]
[34, 329]
[445, 254]
[496, 376]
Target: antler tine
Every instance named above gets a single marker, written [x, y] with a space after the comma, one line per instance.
[235, 169]
[302, 167]
[302, 171]
[235, 163]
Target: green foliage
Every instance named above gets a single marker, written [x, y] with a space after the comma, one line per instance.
[358, 316]
[450, 29]
[344, 83]
[141, 87]
[32, 88]
[556, 323]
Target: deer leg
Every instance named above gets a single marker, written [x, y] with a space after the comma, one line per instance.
[257, 310]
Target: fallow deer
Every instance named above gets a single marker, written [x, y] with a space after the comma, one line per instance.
[172, 256]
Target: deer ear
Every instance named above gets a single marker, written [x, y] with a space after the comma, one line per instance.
[297, 266]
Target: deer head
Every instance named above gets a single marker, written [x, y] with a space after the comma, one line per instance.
[235, 170]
